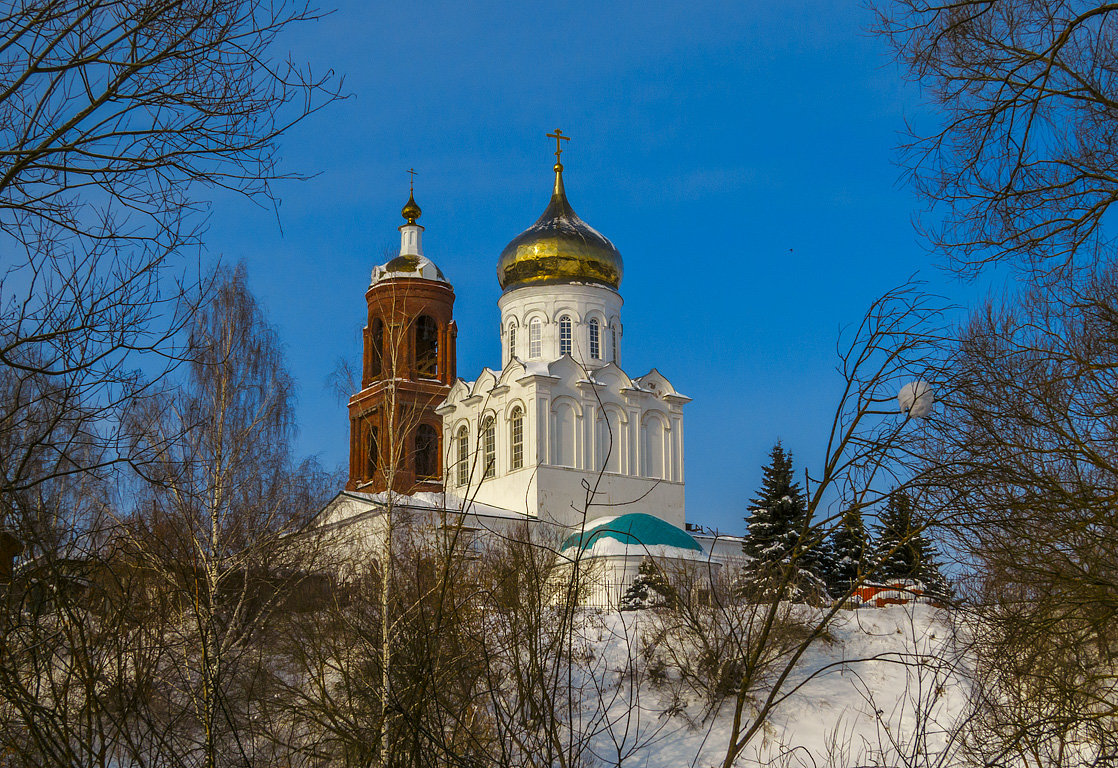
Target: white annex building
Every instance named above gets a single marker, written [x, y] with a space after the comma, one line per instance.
[560, 435]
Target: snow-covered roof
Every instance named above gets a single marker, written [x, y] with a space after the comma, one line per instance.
[608, 378]
[408, 265]
[633, 534]
[434, 501]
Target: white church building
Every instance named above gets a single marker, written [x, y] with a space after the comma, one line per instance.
[560, 435]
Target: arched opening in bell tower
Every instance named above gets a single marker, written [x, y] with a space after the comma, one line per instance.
[426, 346]
[426, 452]
[376, 348]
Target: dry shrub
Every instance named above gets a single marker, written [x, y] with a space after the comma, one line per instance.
[714, 645]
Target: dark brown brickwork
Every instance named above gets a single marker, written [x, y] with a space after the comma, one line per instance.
[407, 368]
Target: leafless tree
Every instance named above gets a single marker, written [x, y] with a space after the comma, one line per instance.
[219, 498]
[116, 119]
[871, 449]
[742, 658]
[1024, 167]
[404, 572]
[335, 681]
[80, 645]
[137, 633]
[1029, 497]
[1025, 163]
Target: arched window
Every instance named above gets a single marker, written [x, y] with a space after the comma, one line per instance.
[489, 446]
[376, 347]
[595, 339]
[426, 452]
[463, 440]
[563, 435]
[609, 442]
[535, 339]
[564, 335]
[516, 438]
[652, 448]
[512, 340]
[613, 347]
[426, 346]
[372, 462]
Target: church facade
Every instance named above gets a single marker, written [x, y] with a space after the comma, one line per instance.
[561, 415]
[560, 435]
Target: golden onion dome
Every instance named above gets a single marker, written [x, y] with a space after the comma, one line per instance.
[411, 210]
[559, 248]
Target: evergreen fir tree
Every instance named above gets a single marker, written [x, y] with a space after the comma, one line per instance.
[650, 588]
[773, 540]
[819, 556]
[851, 547]
[903, 550]
[777, 514]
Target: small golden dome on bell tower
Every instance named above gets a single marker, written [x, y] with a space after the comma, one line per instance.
[411, 210]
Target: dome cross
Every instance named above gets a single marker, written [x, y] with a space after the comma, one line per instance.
[559, 137]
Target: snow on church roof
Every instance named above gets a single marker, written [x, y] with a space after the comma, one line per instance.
[408, 265]
[633, 534]
[610, 376]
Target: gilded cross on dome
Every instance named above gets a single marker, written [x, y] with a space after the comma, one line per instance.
[412, 184]
[559, 137]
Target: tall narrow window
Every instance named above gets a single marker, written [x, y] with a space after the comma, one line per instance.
[652, 449]
[535, 340]
[516, 438]
[463, 440]
[563, 435]
[372, 462]
[426, 452]
[613, 346]
[609, 442]
[376, 347]
[426, 346]
[595, 339]
[564, 335]
[489, 446]
[512, 340]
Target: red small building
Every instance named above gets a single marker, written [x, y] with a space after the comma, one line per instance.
[897, 592]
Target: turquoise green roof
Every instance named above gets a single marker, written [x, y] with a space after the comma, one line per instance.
[635, 528]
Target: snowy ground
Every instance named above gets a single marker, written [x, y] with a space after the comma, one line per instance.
[885, 691]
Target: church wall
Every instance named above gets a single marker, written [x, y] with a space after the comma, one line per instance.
[354, 530]
[549, 303]
[556, 494]
[562, 497]
[351, 531]
[565, 442]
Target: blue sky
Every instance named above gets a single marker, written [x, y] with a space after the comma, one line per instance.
[740, 155]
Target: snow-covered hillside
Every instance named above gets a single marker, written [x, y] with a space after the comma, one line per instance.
[881, 688]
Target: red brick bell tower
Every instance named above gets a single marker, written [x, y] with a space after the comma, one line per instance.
[408, 365]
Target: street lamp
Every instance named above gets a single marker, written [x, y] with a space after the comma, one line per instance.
[916, 399]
